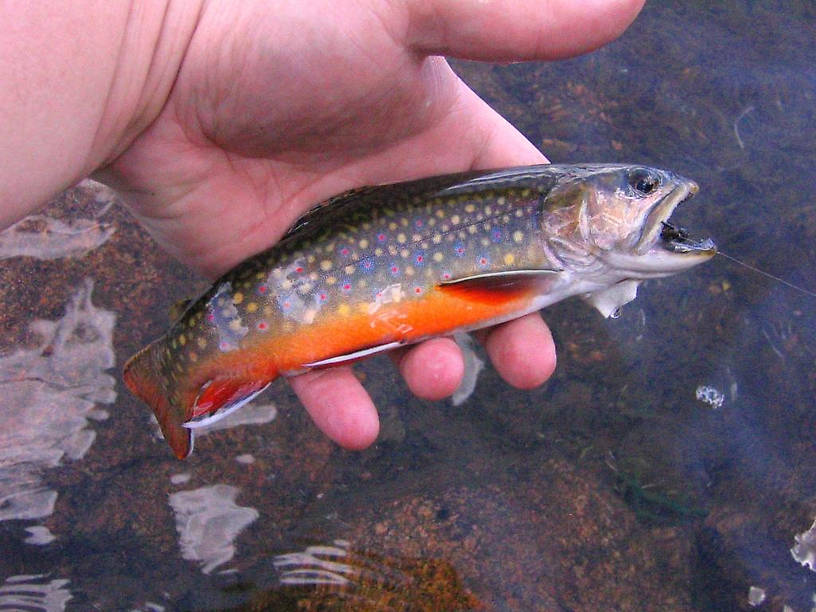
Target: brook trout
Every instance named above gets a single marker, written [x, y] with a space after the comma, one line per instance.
[377, 268]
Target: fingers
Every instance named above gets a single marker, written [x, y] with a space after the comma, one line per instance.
[522, 351]
[506, 30]
[339, 406]
[432, 370]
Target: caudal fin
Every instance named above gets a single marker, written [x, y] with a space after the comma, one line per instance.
[142, 374]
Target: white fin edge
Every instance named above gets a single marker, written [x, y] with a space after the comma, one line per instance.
[339, 359]
[197, 423]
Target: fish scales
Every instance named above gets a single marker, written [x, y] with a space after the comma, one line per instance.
[369, 270]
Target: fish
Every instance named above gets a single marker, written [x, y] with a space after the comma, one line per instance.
[381, 267]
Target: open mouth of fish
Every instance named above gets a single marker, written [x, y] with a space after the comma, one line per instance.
[664, 247]
[661, 240]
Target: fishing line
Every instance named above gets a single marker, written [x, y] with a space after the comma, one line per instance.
[768, 274]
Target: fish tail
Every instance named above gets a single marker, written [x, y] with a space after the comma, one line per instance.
[142, 375]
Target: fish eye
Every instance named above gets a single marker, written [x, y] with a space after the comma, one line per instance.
[643, 181]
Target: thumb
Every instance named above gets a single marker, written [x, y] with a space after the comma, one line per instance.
[514, 30]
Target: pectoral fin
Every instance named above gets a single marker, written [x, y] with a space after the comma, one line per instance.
[500, 287]
[609, 300]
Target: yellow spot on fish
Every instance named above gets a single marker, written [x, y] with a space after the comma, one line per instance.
[344, 310]
[436, 238]
[202, 343]
[509, 258]
[409, 271]
[182, 340]
[235, 324]
[437, 257]
[501, 201]
[363, 243]
[440, 213]
[392, 226]
[401, 238]
[326, 265]
[267, 310]
[252, 307]
[518, 236]
[404, 253]
[349, 269]
[330, 280]
[286, 284]
[193, 357]
[469, 208]
[237, 297]
[455, 219]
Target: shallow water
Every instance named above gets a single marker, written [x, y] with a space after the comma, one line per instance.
[670, 463]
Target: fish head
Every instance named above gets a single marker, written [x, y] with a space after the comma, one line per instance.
[620, 214]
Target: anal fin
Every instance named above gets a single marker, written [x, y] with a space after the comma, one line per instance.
[220, 397]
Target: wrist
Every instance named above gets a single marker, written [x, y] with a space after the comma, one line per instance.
[80, 81]
[153, 45]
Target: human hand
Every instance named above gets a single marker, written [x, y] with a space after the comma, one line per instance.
[277, 106]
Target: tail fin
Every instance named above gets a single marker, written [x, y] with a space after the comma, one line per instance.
[142, 374]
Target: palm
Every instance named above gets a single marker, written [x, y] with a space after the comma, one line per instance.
[278, 111]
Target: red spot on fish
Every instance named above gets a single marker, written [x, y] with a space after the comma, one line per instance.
[420, 259]
[446, 276]
[263, 326]
[210, 317]
[380, 237]
[299, 270]
[417, 290]
[418, 223]
[323, 297]
[482, 261]
[262, 289]
[346, 286]
[344, 251]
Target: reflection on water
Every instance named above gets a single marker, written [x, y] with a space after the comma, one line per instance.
[45, 237]
[337, 577]
[34, 592]
[208, 520]
[804, 551]
[50, 393]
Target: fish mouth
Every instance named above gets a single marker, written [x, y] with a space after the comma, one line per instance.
[659, 215]
[661, 238]
[664, 248]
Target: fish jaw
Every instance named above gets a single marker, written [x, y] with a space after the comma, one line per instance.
[653, 255]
